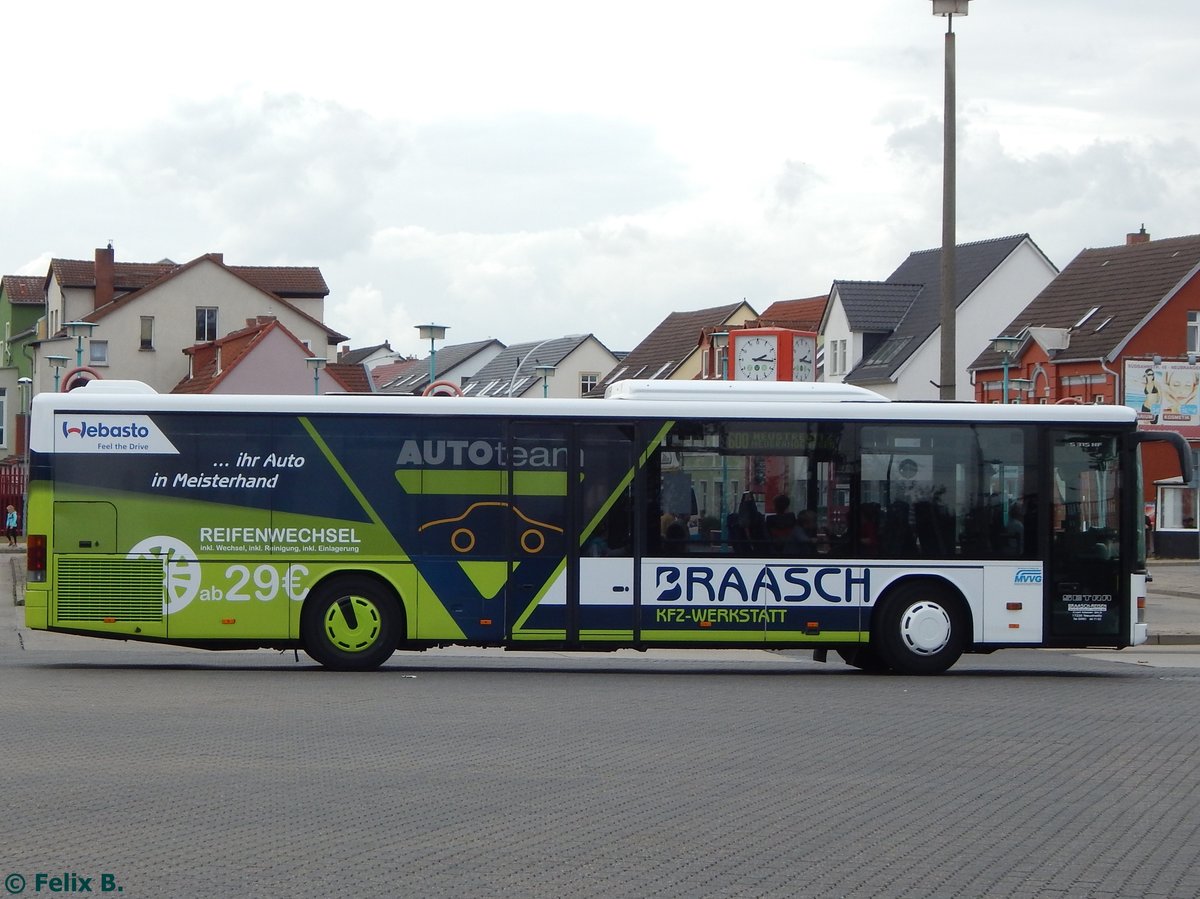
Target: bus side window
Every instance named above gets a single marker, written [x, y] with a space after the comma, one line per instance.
[898, 540]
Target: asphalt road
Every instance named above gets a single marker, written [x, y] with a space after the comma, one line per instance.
[164, 772]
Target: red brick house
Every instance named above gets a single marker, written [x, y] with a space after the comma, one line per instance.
[1118, 325]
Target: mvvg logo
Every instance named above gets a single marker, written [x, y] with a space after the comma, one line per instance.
[1028, 576]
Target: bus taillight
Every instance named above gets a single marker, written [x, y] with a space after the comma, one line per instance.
[1141, 609]
[35, 557]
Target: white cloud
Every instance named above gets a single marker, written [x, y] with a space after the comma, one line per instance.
[537, 168]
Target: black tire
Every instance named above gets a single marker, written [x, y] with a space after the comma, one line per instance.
[351, 623]
[920, 628]
[864, 658]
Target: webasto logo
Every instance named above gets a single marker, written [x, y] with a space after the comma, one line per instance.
[83, 429]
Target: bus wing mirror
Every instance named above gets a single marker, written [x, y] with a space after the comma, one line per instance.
[1176, 440]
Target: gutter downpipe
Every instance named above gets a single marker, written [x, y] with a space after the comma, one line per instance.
[1117, 398]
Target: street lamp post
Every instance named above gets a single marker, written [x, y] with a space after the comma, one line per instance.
[1020, 385]
[59, 363]
[949, 306]
[316, 363]
[1006, 347]
[79, 330]
[544, 372]
[512, 382]
[432, 333]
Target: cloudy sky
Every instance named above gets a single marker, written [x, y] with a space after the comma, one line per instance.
[527, 169]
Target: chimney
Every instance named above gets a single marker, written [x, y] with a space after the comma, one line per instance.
[105, 276]
[1138, 237]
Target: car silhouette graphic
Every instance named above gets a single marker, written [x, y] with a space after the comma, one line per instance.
[462, 539]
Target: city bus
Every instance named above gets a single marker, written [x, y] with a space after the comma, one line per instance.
[696, 514]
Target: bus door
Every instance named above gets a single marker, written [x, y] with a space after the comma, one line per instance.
[601, 586]
[537, 522]
[569, 534]
[1084, 588]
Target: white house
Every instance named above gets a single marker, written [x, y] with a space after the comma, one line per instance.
[138, 318]
[886, 335]
[559, 367]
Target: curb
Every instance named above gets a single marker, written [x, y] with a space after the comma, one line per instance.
[1172, 640]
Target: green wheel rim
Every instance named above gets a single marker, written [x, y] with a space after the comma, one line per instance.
[353, 624]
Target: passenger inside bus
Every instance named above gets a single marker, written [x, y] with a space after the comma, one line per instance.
[782, 524]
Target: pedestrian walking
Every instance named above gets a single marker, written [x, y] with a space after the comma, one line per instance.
[10, 524]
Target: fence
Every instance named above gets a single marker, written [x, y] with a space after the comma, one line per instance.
[12, 488]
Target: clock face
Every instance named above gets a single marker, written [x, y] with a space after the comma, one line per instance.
[757, 358]
[803, 351]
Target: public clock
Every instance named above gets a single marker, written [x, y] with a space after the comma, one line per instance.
[804, 350]
[757, 357]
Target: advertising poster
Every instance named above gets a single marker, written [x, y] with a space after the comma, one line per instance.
[1163, 393]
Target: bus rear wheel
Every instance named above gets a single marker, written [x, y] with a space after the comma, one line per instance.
[351, 623]
[920, 629]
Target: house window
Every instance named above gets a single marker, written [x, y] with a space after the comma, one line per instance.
[3, 415]
[206, 323]
[146, 338]
[97, 352]
[837, 357]
[1193, 332]
[588, 381]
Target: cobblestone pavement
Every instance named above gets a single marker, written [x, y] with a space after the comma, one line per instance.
[179, 773]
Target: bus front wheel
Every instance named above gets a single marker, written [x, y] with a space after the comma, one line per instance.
[351, 623]
[920, 629]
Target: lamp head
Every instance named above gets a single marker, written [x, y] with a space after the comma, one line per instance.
[431, 332]
[1007, 345]
[950, 7]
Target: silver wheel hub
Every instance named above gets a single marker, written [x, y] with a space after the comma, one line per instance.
[925, 628]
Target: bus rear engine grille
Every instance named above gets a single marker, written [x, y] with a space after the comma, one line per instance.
[124, 589]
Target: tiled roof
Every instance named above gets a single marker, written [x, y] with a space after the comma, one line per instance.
[1124, 284]
[973, 262]
[283, 281]
[70, 268]
[235, 346]
[514, 369]
[24, 290]
[412, 376]
[390, 372]
[361, 355]
[666, 347]
[232, 347]
[873, 307]
[802, 315]
[353, 376]
[127, 276]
